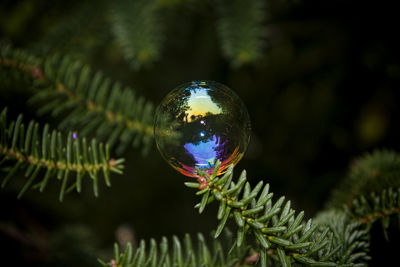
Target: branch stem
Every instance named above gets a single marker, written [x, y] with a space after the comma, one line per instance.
[37, 73]
[379, 214]
[58, 165]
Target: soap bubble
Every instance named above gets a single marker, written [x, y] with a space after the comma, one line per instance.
[199, 123]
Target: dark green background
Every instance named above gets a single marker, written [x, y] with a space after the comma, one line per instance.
[324, 91]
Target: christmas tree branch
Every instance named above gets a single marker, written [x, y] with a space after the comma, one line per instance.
[369, 209]
[274, 225]
[31, 69]
[183, 254]
[35, 153]
[348, 235]
[241, 30]
[91, 101]
[372, 172]
[371, 217]
[137, 30]
[282, 238]
[371, 190]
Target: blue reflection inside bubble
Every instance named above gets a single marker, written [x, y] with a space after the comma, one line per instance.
[205, 152]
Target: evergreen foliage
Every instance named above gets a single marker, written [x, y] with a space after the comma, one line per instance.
[137, 30]
[348, 237]
[268, 231]
[383, 207]
[373, 172]
[241, 29]
[25, 148]
[274, 224]
[183, 253]
[85, 100]
[371, 190]
[279, 237]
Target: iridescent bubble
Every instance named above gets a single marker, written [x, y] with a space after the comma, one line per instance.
[199, 123]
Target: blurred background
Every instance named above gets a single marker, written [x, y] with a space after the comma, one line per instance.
[321, 90]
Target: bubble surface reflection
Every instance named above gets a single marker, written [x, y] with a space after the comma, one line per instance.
[199, 123]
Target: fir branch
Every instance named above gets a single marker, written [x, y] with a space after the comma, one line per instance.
[241, 31]
[368, 210]
[370, 173]
[28, 150]
[137, 30]
[184, 253]
[283, 238]
[20, 60]
[92, 102]
[348, 236]
[274, 225]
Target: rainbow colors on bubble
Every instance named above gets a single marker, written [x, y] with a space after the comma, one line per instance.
[199, 123]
